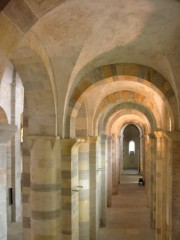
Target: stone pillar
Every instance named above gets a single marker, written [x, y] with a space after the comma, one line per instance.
[173, 172]
[117, 162]
[147, 168]
[93, 168]
[114, 167]
[45, 188]
[103, 180]
[83, 187]
[109, 171]
[142, 155]
[161, 185]
[153, 180]
[16, 158]
[6, 133]
[165, 190]
[69, 179]
[26, 183]
[159, 159]
[121, 155]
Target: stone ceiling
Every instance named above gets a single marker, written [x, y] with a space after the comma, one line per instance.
[74, 37]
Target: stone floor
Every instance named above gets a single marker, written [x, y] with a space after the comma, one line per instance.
[128, 218]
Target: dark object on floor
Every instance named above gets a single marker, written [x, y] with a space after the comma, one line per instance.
[141, 182]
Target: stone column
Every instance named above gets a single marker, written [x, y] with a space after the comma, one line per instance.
[117, 162]
[6, 133]
[121, 155]
[109, 171]
[161, 185]
[16, 158]
[83, 188]
[69, 179]
[159, 159]
[153, 180]
[45, 188]
[142, 155]
[173, 173]
[114, 167]
[103, 180]
[26, 205]
[165, 190]
[147, 168]
[93, 168]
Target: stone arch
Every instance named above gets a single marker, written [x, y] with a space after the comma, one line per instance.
[81, 122]
[3, 117]
[123, 96]
[101, 125]
[39, 116]
[119, 119]
[39, 102]
[131, 138]
[141, 73]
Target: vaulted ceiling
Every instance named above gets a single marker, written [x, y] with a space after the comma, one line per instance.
[69, 39]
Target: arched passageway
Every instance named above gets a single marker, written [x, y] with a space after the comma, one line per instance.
[96, 76]
[131, 148]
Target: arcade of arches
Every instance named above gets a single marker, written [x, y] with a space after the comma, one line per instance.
[88, 90]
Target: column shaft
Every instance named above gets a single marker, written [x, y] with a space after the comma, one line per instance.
[45, 188]
[173, 211]
[153, 180]
[84, 210]
[94, 206]
[3, 185]
[6, 133]
[69, 178]
[103, 181]
[109, 171]
[114, 167]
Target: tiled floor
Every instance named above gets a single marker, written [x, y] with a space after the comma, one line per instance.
[128, 218]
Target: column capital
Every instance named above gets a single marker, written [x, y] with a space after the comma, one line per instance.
[109, 137]
[7, 131]
[104, 136]
[156, 134]
[92, 139]
[31, 139]
[68, 141]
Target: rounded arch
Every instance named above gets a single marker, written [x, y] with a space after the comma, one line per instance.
[131, 146]
[130, 72]
[120, 119]
[134, 130]
[3, 116]
[39, 102]
[124, 96]
[101, 124]
[81, 128]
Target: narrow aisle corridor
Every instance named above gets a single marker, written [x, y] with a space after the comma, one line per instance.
[129, 217]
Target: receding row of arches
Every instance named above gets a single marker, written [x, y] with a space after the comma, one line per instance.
[118, 117]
